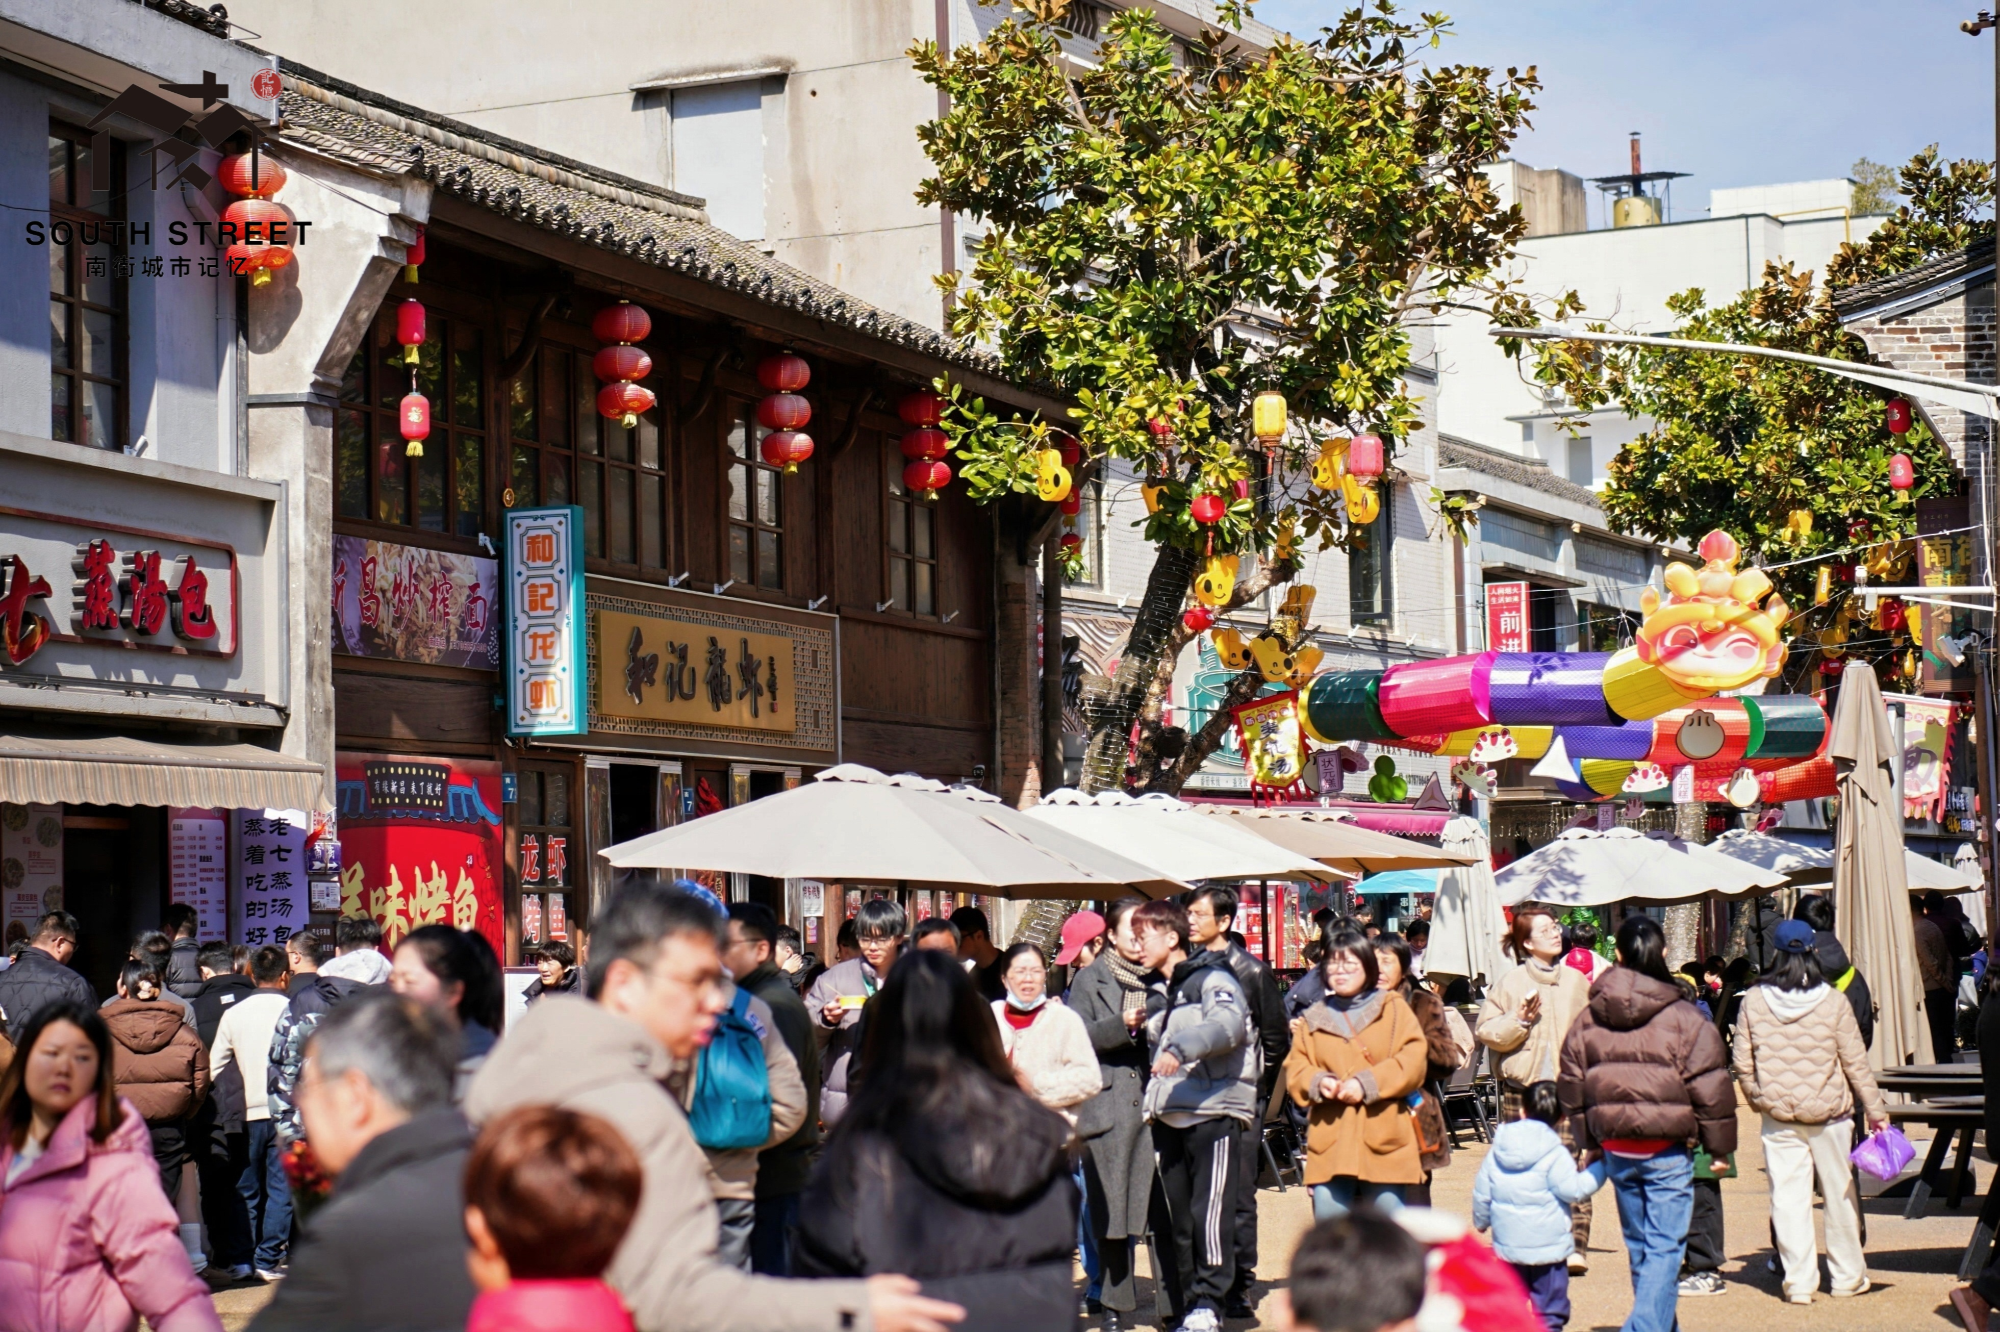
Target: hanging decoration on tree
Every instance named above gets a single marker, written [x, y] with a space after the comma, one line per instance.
[263, 227]
[413, 258]
[1896, 416]
[925, 445]
[621, 363]
[1329, 469]
[1267, 418]
[1052, 479]
[1902, 472]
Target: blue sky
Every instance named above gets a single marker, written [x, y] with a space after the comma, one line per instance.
[1735, 92]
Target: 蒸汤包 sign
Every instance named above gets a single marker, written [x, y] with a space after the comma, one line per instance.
[1507, 617]
[546, 670]
[659, 668]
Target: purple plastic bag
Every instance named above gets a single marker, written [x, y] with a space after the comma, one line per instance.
[1884, 1154]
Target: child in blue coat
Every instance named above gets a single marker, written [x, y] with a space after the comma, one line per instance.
[1524, 1191]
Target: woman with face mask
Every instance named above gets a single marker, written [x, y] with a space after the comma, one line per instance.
[1043, 1039]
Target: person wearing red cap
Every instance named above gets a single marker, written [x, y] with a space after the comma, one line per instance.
[1082, 940]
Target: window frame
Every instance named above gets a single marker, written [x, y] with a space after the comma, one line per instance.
[1588, 447]
[1384, 589]
[899, 510]
[743, 412]
[74, 305]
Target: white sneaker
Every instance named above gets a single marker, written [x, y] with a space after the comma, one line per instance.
[1201, 1320]
[1578, 1263]
[269, 1275]
[1701, 1283]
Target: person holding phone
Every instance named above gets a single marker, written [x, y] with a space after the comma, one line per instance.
[838, 996]
[1524, 1020]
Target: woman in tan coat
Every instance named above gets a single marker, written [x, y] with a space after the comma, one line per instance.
[1799, 1059]
[1356, 1057]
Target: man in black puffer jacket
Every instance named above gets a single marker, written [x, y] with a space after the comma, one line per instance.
[180, 923]
[41, 974]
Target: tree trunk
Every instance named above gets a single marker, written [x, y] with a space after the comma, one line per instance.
[1683, 924]
[1111, 709]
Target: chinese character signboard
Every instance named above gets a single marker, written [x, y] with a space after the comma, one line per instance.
[413, 604]
[198, 867]
[1944, 559]
[1507, 617]
[115, 585]
[269, 866]
[420, 843]
[1273, 744]
[31, 865]
[545, 665]
[663, 669]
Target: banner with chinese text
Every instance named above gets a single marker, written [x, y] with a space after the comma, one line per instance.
[198, 867]
[546, 670]
[413, 604]
[664, 669]
[1944, 559]
[1273, 743]
[420, 843]
[1507, 617]
[268, 865]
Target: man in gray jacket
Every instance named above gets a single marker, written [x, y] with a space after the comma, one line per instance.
[1203, 1091]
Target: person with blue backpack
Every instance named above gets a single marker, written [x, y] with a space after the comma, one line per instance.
[1524, 1190]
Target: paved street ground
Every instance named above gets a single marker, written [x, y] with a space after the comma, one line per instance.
[1911, 1262]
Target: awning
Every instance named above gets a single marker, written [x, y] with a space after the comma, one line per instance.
[1399, 881]
[118, 770]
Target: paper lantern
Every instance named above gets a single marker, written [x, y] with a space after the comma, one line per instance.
[778, 411]
[413, 417]
[251, 175]
[1715, 730]
[1896, 416]
[925, 443]
[1071, 543]
[926, 478]
[1207, 509]
[1160, 427]
[1578, 793]
[1342, 705]
[1446, 695]
[1639, 691]
[1605, 776]
[1902, 472]
[1071, 505]
[621, 361]
[1549, 689]
[784, 373]
[624, 402]
[1069, 450]
[1631, 741]
[1809, 780]
[1795, 726]
[623, 322]
[1240, 487]
[413, 258]
[1198, 619]
[263, 243]
[922, 408]
[1493, 743]
[1267, 417]
[786, 449]
[410, 328]
[1364, 456]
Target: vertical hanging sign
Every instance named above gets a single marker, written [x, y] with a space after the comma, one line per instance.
[1507, 617]
[546, 683]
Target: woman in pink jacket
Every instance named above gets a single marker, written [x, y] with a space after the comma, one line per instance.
[88, 1242]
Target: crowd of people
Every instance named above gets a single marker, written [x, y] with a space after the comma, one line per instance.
[933, 1130]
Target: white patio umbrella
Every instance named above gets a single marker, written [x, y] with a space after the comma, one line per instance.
[1466, 920]
[1585, 867]
[1807, 865]
[852, 824]
[1174, 838]
[1334, 839]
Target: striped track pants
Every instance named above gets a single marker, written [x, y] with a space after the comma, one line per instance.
[1197, 1174]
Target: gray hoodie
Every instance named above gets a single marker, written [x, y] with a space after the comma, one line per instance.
[1199, 1014]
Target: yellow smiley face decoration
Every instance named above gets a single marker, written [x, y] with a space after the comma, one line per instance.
[1330, 467]
[1216, 582]
[1052, 479]
[1363, 504]
[1231, 649]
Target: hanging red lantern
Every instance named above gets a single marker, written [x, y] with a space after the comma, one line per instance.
[621, 361]
[413, 415]
[624, 402]
[1198, 619]
[1070, 543]
[1859, 529]
[251, 175]
[1071, 504]
[623, 322]
[1896, 415]
[1208, 509]
[926, 478]
[783, 373]
[786, 448]
[1071, 451]
[263, 238]
[925, 443]
[922, 408]
[783, 411]
[412, 258]
[410, 328]
[1364, 456]
[1832, 666]
[1902, 472]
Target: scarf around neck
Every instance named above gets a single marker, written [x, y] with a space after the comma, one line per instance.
[1351, 1016]
[1131, 978]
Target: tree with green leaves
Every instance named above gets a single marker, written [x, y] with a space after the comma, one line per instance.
[1791, 461]
[1169, 230]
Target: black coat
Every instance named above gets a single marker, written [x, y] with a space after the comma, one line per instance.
[784, 1168]
[387, 1251]
[1988, 1036]
[217, 995]
[36, 979]
[1833, 964]
[184, 968]
[975, 1201]
[1267, 1010]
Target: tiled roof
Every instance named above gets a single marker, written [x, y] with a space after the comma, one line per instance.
[1851, 301]
[577, 201]
[214, 19]
[1530, 472]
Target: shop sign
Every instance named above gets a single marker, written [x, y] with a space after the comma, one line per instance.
[656, 668]
[198, 867]
[270, 872]
[1944, 559]
[31, 865]
[124, 586]
[545, 666]
[558, 919]
[409, 603]
[1507, 617]
[420, 843]
[544, 859]
[1926, 754]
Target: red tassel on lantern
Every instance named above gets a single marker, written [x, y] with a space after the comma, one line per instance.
[412, 258]
[783, 411]
[783, 373]
[1208, 508]
[623, 322]
[1896, 416]
[1902, 472]
[922, 408]
[786, 448]
[410, 328]
[1364, 456]
[926, 478]
[925, 443]
[413, 415]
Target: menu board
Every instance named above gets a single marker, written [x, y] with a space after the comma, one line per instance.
[269, 870]
[31, 865]
[198, 867]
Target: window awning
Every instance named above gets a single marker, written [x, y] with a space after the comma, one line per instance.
[118, 770]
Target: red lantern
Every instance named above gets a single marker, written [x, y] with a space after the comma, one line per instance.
[623, 322]
[621, 361]
[1071, 451]
[1160, 425]
[786, 448]
[625, 401]
[1896, 415]
[413, 414]
[1902, 472]
[1364, 456]
[1071, 504]
[251, 175]
[1240, 487]
[263, 238]
[1198, 619]
[410, 328]
[1071, 543]
[922, 408]
[1208, 508]
[1859, 529]
[783, 411]
[1895, 615]
[1832, 666]
[926, 478]
[783, 373]
[925, 443]
[413, 257]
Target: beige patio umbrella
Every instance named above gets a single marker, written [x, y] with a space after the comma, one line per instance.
[1807, 865]
[1586, 867]
[1176, 840]
[1871, 898]
[852, 824]
[1466, 921]
[1333, 839]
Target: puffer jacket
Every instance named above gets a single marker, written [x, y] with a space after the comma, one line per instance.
[1378, 1042]
[313, 996]
[157, 1060]
[88, 1243]
[1524, 1190]
[1199, 1014]
[1642, 1062]
[34, 981]
[851, 979]
[1528, 1054]
[1799, 1057]
[550, 1306]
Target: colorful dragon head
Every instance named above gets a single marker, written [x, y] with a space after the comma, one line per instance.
[1715, 630]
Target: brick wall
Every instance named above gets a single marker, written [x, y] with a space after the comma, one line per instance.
[1954, 338]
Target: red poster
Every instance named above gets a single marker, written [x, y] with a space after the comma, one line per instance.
[420, 843]
[1507, 617]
